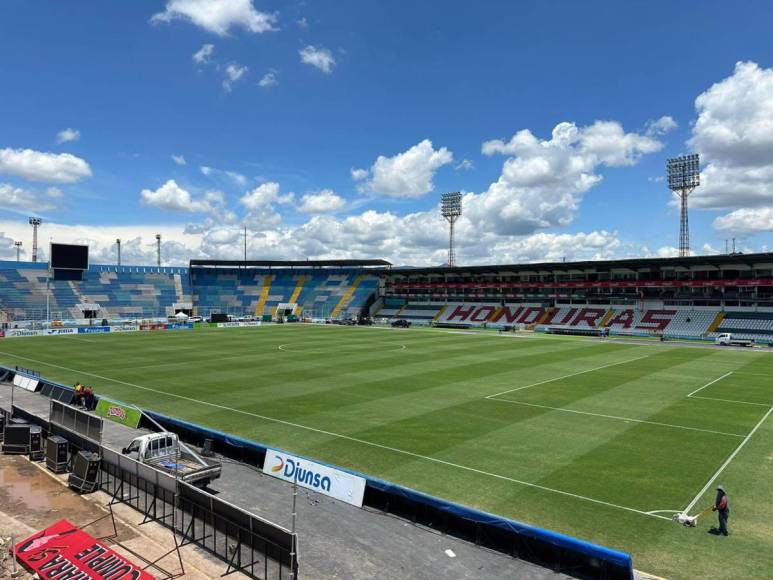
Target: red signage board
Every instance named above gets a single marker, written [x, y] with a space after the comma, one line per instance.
[64, 551]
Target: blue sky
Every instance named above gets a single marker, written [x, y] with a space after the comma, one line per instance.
[290, 98]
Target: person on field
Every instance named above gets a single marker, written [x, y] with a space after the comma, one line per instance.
[722, 507]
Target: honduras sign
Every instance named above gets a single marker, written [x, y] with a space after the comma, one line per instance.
[314, 476]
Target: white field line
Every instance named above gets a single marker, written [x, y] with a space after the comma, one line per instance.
[566, 376]
[627, 419]
[349, 438]
[663, 512]
[710, 383]
[727, 462]
[283, 348]
[731, 401]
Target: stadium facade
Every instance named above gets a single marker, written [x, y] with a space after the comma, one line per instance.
[690, 297]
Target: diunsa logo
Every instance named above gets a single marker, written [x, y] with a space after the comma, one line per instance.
[295, 471]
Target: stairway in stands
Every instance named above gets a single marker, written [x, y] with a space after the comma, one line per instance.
[347, 296]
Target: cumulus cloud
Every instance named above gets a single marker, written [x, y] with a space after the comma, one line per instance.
[172, 197]
[12, 197]
[218, 16]
[204, 54]
[67, 135]
[326, 201]
[406, 175]
[660, 126]
[263, 195]
[318, 57]
[543, 180]
[268, 80]
[39, 166]
[464, 165]
[233, 73]
[734, 136]
[179, 159]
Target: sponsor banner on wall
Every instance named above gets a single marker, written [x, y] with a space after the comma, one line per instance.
[2, 333]
[118, 413]
[64, 551]
[179, 326]
[58, 331]
[93, 329]
[18, 332]
[127, 328]
[152, 326]
[321, 478]
[239, 324]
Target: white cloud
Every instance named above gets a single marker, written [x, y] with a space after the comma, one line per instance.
[54, 192]
[179, 159]
[734, 136]
[262, 196]
[39, 166]
[218, 16]
[464, 165]
[543, 181]
[233, 73]
[12, 197]
[204, 54]
[326, 201]
[319, 57]
[358, 174]
[660, 126]
[206, 170]
[268, 80]
[302, 22]
[173, 197]
[215, 173]
[406, 175]
[746, 221]
[67, 135]
[7, 248]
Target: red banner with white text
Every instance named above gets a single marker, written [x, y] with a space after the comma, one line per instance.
[64, 551]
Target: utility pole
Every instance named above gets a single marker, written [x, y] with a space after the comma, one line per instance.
[118, 245]
[158, 249]
[245, 243]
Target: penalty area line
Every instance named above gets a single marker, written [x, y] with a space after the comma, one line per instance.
[353, 439]
[710, 383]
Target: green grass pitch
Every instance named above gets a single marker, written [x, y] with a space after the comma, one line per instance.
[596, 439]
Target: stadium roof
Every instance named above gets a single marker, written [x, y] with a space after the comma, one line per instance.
[291, 263]
[724, 261]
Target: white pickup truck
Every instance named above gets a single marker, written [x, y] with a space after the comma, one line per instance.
[727, 339]
[165, 452]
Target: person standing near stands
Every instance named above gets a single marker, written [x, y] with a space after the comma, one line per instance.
[78, 397]
[88, 398]
[722, 507]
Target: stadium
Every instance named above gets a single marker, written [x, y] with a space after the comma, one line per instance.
[386, 290]
[586, 398]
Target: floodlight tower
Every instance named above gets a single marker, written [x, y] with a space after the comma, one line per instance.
[35, 223]
[118, 246]
[158, 249]
[684, 175]
[18, 251]
[451, 209]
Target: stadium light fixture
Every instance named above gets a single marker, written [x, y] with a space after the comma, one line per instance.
[18, 251]
[35, 223]
[451, 209]
[684, 175]
[118, 246]
[158, 249]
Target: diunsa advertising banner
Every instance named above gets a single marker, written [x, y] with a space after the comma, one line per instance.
[315, 476]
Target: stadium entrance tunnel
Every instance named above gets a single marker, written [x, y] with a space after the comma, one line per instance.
[563, 554]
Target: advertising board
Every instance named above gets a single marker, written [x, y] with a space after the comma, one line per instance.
[315, 476]
[93, 329]
[118, 413]
[64, 551]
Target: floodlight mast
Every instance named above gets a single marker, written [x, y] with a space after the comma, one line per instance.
[684, 175]
[451, 209]
[35, 223]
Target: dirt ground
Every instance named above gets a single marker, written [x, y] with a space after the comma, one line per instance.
[32, 498]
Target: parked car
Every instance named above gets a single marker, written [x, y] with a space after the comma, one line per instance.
[401, 323]
[164, 452]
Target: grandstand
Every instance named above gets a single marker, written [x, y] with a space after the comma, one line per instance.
[340, 289]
